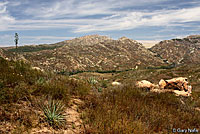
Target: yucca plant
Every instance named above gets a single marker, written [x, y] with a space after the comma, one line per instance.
[92, 80]
[54, 112]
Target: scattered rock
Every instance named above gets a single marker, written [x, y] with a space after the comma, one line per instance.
[37, 68]
[115, 83]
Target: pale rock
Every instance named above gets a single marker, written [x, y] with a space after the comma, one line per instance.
[162, 84]
[144, 84]
[115, 83]
[182, 93]
[37, 68]
[178, 79]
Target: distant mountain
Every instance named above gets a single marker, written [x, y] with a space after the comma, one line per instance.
[92, 52]
[179, 51]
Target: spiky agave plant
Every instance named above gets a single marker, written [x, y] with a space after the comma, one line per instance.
[92, 80]
[54, 112]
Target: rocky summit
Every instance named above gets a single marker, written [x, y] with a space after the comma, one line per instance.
[179, 51]
[92, 52]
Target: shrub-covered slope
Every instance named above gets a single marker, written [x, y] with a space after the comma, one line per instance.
[94, 52]
[179, 51]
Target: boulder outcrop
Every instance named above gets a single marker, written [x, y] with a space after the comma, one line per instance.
[179, 86]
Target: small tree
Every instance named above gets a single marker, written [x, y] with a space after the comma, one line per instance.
[16, 40]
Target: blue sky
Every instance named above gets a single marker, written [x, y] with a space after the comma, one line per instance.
[50, 21]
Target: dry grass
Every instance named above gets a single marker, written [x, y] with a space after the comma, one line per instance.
[131, 110]
[134, 111]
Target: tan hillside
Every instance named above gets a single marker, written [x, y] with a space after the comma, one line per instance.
[93, 52]
[180, 51]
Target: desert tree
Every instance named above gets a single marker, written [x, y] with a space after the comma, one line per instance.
[16, 40]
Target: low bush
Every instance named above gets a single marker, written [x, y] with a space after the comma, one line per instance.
[17, 79]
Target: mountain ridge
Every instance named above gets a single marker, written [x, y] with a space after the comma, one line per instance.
[93, 52]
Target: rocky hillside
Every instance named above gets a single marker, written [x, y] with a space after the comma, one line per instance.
[93, 52]
[179, 51]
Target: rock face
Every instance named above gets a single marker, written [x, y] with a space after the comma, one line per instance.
[179, 51]
[180, 83]
[179, 86]
[94, 52]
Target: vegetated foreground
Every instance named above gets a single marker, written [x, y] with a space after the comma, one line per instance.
[37, 102]
[33, 101]
[126, 109]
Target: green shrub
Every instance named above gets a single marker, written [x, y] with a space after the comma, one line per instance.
[9, 95]
[58, 89]
[41, 81]
[53, 112]
[99, 89]
[16, 79]
[79, 88]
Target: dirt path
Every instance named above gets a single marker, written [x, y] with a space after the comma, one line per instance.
[74, 122]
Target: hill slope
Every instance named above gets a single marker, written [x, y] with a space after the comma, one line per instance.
[180, 51]
[94, 52]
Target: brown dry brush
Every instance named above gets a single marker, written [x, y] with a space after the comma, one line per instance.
[133, 111]
[19, 83]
